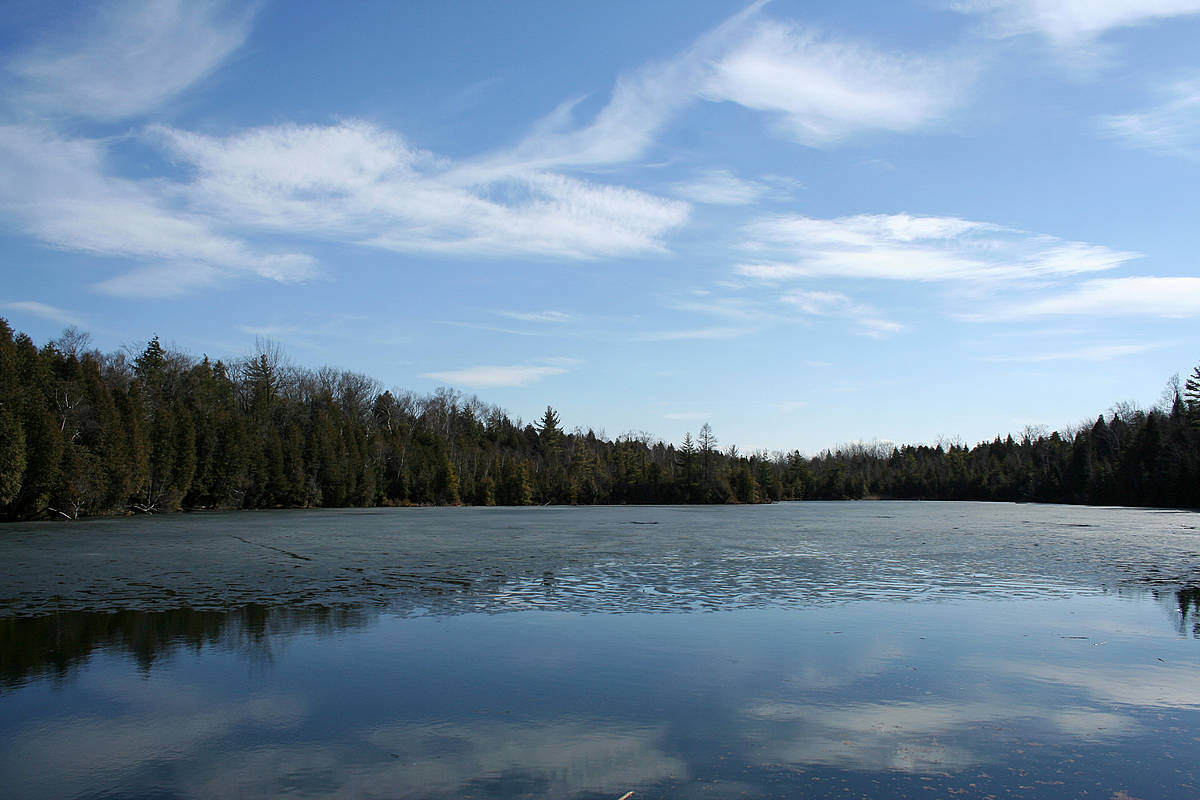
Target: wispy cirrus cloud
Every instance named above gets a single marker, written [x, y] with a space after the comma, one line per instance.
[1072, 22]
[643, 102]
[351, 182]
[115, 61]
[822, 89]
[819, 88]
[1109, 297]
[913, 248]
[497, 375]
[1103, 352]
[741, 309]
[536, 316]
[863, 319]
[721, 187]
[1172, 127]
[123, 59]
[688, 334]
[60, 191]
[895, 736]
[242, 194]
[45, 311]
[360, 183]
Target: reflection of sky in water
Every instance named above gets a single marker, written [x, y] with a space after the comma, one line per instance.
[1095, 692]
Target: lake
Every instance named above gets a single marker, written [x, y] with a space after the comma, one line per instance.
[814, 650]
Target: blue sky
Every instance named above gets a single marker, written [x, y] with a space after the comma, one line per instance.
[805, 224]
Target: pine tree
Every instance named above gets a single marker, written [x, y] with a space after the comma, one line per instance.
[548, 428]
[151, 361]
[1191, 396]
[12, 456]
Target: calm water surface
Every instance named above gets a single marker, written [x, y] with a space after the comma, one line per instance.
[881, 650]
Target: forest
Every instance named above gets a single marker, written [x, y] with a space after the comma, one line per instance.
[85, 433]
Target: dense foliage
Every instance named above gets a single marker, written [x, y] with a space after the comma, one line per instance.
[83, 432]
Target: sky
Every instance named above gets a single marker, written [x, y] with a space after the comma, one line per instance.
[806, 224]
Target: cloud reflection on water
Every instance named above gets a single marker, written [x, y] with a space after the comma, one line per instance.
[915, 737]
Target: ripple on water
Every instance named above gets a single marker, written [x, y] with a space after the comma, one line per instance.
[610, 559]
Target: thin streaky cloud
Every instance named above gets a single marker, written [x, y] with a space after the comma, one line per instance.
[821, 89]
[818, 88]
[270, 331]
[733, 308]
[642, 104]
[360, 183]
[864, 320]
[721, 187]
[162, 281]
[59, 190]
[1110, 297]
[1072, 22]
[45, 311]
[1094, 353]
[536, 316]
[477, 326]
[351, 182]
[912, 248]
[126, 58]
[496, 376]
[1172, 127]
[693, 333]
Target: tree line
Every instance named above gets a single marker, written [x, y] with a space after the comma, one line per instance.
[88, 433]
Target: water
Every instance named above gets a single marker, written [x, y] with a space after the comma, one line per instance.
[799, 650]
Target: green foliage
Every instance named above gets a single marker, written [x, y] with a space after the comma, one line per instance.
[12, 456]
[1191, 396]
[85, 433]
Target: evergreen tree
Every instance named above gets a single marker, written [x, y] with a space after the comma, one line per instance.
[1191, 395]
[12, 456]
[548, 429]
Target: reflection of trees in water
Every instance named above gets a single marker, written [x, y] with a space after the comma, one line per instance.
[58, 644]
[1189, 611]
[1181, 603]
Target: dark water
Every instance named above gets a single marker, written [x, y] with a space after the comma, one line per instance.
[880, 650]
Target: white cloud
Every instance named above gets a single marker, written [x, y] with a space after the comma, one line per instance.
[356, 182]
[490, 376]
[1071, 22]
[567, 758]
[125, 58]
[1172, 127]
[642, 103]
[579, 756]
[536, 316]
[734, 308]
[270, 331]
[721, 187]
[45, 311]
[1108, 297]
[160, 281]
[1105, 352]
[865, 319]
[693, 333]
[904, 737]
[904, 247]
[824, 90]
[60, 191]
[1114, 685]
